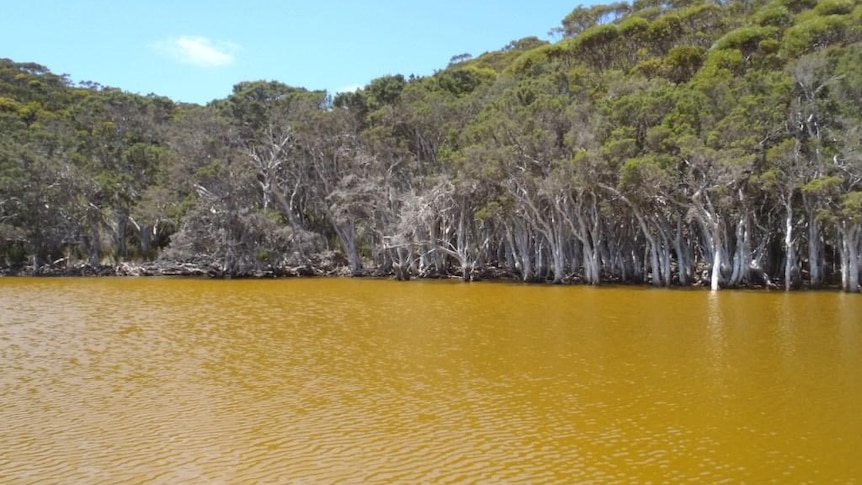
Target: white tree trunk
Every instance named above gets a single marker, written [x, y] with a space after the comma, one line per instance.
[665, 264]
[853, 270]
[681, 259]
[347, 237]
[815, 248]
[790, 260]
[716, 265]
[850, 241]
[522, 244]
[559, 261]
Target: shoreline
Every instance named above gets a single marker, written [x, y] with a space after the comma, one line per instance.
[325, 269]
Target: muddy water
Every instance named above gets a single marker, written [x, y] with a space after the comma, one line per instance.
[362, 381]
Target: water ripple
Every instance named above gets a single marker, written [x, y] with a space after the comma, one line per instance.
[341, 381]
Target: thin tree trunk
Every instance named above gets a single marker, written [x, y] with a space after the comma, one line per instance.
[815, 248]
[790, 259]
[714, 281]
[347, 237]
[682, 264]
[850, 258]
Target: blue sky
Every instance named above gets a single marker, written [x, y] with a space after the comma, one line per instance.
[195, 51]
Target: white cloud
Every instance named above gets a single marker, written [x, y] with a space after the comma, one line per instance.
[198, 51]
[350, 88]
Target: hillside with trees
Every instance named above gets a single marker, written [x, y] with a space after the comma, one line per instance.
[668, 143]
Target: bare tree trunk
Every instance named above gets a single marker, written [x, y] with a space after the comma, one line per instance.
[548, 219]
[716, 266]
[745, 250]
[815, 247]
[402, 264]
[712, 233]
[790, 259]
[288, 205]
[558, 258]
[850, 242]
[596, 237]
[91, 246]
[682, 261]
[121, 250]
[519, 241]
[347, 237]
[664, 260]
[461, 249]
[736, 262]
[652, 249]
[853, 272]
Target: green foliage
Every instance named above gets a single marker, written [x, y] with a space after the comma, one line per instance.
[534, 61]
[746, 39]
[683, 62]
[637, 131]
[851, 206]
[633, 27]
[797, 6]
[847, 82]
[834, 7]
[461, 81]
[650, 68]
[720, 66]
[704, 16]
[596, 37]
[664, 32]
[15, 253]
[385, 90]
[598, 46]
[252, 104]
[818, 33]
[354, 101]
[9, 105]
[823, 185]
[489, 211]
[582, 18]
[774, 15]
[524, 44]
[644, 176]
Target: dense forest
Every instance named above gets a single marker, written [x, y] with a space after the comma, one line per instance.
[660, 142]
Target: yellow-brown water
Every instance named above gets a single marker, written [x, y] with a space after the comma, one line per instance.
[360, 381]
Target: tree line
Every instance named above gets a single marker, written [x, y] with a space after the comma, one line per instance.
[658, 142]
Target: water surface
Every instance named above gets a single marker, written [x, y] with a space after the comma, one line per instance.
[364, 381]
